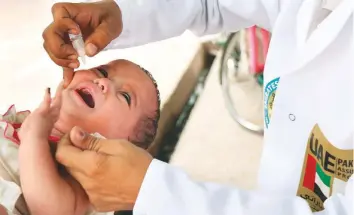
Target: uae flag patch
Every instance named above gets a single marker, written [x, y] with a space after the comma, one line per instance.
[325, 171]
[316, 179]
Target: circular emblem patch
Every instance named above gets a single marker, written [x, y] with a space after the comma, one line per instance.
[269, 96]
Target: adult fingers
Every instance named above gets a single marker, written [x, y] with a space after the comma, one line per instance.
[69, 155]
[71, 64]
[100, 38]
[64, 10]
[56, 38]
[75, 159]
[3, 210]
[85, 141]
[79, 176]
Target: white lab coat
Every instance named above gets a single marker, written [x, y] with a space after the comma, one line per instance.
[308, 149]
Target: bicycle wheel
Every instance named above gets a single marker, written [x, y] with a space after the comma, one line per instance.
[241, 89]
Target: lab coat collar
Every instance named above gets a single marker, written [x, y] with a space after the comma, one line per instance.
[330, 4]
[324, 35]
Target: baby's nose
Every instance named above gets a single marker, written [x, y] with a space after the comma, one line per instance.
[103, 84]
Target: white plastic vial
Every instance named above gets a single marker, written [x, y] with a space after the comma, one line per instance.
[98, 135]
[79, 45]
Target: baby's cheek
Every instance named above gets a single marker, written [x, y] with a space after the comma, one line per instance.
[84, 75]
[80, 77]
[118, 127]
[115, 119]
[74, 82]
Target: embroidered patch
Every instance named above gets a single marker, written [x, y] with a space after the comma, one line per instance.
[325, 171]
[269, 96]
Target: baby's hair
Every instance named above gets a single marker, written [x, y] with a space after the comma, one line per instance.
[146, 129]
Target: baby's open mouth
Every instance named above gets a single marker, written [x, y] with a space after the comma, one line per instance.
[87, 97]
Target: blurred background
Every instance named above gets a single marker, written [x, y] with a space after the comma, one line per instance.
[212, 116]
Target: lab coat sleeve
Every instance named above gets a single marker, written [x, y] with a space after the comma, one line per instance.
[168, 190]
[147, 21]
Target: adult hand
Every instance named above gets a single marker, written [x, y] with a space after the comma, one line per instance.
[100, 23]
[110, 171]
[2, 210]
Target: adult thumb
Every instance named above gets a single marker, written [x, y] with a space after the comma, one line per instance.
[82, 139]
[2, 210]
[99, 39]
[85, 141]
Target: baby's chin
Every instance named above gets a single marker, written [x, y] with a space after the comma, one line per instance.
[66, 123]
[90, 122]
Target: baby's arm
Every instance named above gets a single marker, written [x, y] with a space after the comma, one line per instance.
[44, 189]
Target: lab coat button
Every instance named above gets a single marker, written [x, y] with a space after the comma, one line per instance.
[292, 117]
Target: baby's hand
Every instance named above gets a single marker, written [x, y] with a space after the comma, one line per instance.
[40, 122]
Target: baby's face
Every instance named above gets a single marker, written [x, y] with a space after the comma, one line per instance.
[108, 99]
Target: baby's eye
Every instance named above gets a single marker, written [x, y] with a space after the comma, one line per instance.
[103, 72]
[127, 97]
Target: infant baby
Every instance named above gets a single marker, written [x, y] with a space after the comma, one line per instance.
[119, 100]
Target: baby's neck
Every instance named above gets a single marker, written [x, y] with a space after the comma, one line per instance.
[59, 129]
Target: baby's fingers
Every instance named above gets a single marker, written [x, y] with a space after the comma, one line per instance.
[56, 102]
[59, 89]
[45, 104]
[55, 109]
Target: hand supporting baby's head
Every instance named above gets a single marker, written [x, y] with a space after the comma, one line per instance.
[119, 100]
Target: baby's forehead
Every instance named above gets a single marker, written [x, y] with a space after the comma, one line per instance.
[124, 68]
[129, 73]
[135, 77]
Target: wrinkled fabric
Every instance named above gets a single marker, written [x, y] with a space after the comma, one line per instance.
[10, 190]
